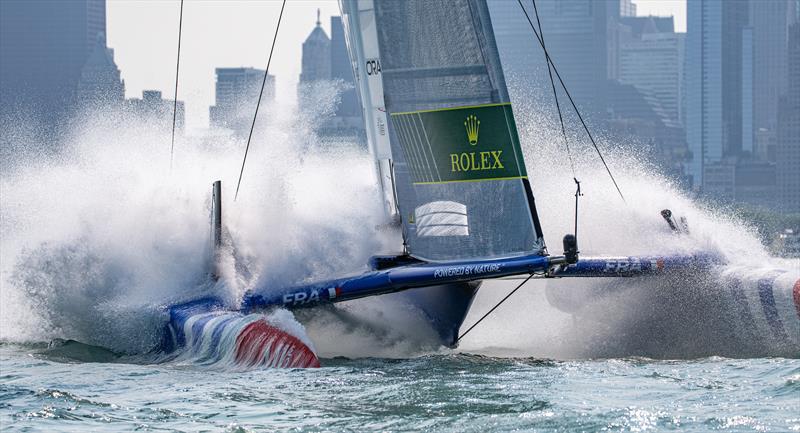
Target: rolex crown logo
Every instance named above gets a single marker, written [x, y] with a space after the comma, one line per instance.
[473, 125]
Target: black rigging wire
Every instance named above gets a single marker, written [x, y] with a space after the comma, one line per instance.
[494, 308]
[175, 102]
[572, 101]
[255, 115]
[578, 193]
[555, 96]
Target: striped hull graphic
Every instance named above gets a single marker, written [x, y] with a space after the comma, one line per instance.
[796, 296]
[234, 340]
[730, 311]
[261, 344]
[767, 308]
[775, 308]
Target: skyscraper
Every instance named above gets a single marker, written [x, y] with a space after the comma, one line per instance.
[713, 82]
[577, 35]
[156, 111]
[236, 95]
[627, 8]
[651, 59]
[44, 45]
[768, 30]
[341, 69]
[788, 148]
[100, 84]
[348, 117]
[316, 55]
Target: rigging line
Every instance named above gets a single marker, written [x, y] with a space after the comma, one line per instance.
[258, 104]
[555, 95]
[578, 193]
[572, 101]
[494, 308]
[175, 102]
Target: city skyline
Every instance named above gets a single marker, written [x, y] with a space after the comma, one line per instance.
[703, 105]
[231, 34]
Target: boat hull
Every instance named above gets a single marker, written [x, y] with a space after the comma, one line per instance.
[715, 312]
[203, 332]
[445, 306]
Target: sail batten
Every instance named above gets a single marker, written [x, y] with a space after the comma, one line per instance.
[458, 168]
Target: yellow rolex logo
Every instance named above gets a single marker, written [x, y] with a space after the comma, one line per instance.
[473, 125]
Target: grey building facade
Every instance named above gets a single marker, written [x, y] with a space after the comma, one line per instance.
[44, 45]
[768, 29]
[316, 63]
[580, 37]
[327, 59]
[736, 71]
[341, 69]
[100, 84]
[156, 111]
[651, 59]
[788, 142]
[236, 94]
[713, 82]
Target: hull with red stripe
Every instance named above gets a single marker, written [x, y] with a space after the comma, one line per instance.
[201, 332]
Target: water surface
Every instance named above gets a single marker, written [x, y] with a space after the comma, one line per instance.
[44, 391]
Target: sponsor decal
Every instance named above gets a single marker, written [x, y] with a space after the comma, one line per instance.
[468, 162]
[473, 126]
[312, 296]
[380, 126]
[465, 270]
[621, 266]
[460, 144]
[373, 67]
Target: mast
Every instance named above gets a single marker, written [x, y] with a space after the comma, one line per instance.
[358, 17]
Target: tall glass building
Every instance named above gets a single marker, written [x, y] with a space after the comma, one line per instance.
[713, 82]
[44, 45]
[578, 35]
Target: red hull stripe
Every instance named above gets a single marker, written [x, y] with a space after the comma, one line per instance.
[260, 344]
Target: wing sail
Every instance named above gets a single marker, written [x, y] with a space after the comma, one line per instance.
[451, 132]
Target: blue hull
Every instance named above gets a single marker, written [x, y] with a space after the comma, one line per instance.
[442, 291]
[445, 306]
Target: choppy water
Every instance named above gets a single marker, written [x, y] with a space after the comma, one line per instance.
[445, 392]
[97, 239]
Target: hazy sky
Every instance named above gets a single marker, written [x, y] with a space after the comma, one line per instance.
[231, 33]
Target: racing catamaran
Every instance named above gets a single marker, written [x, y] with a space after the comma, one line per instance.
[452, 177]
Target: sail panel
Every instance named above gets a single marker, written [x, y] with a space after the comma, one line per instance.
[458, 167]
[446, 143]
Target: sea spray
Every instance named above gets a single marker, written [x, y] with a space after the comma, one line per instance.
[101, 235]
[685, 315]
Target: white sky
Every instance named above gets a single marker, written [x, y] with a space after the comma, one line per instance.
[676, 8]
[231, 33]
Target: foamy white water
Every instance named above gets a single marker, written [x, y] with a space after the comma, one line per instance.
[98, 239]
